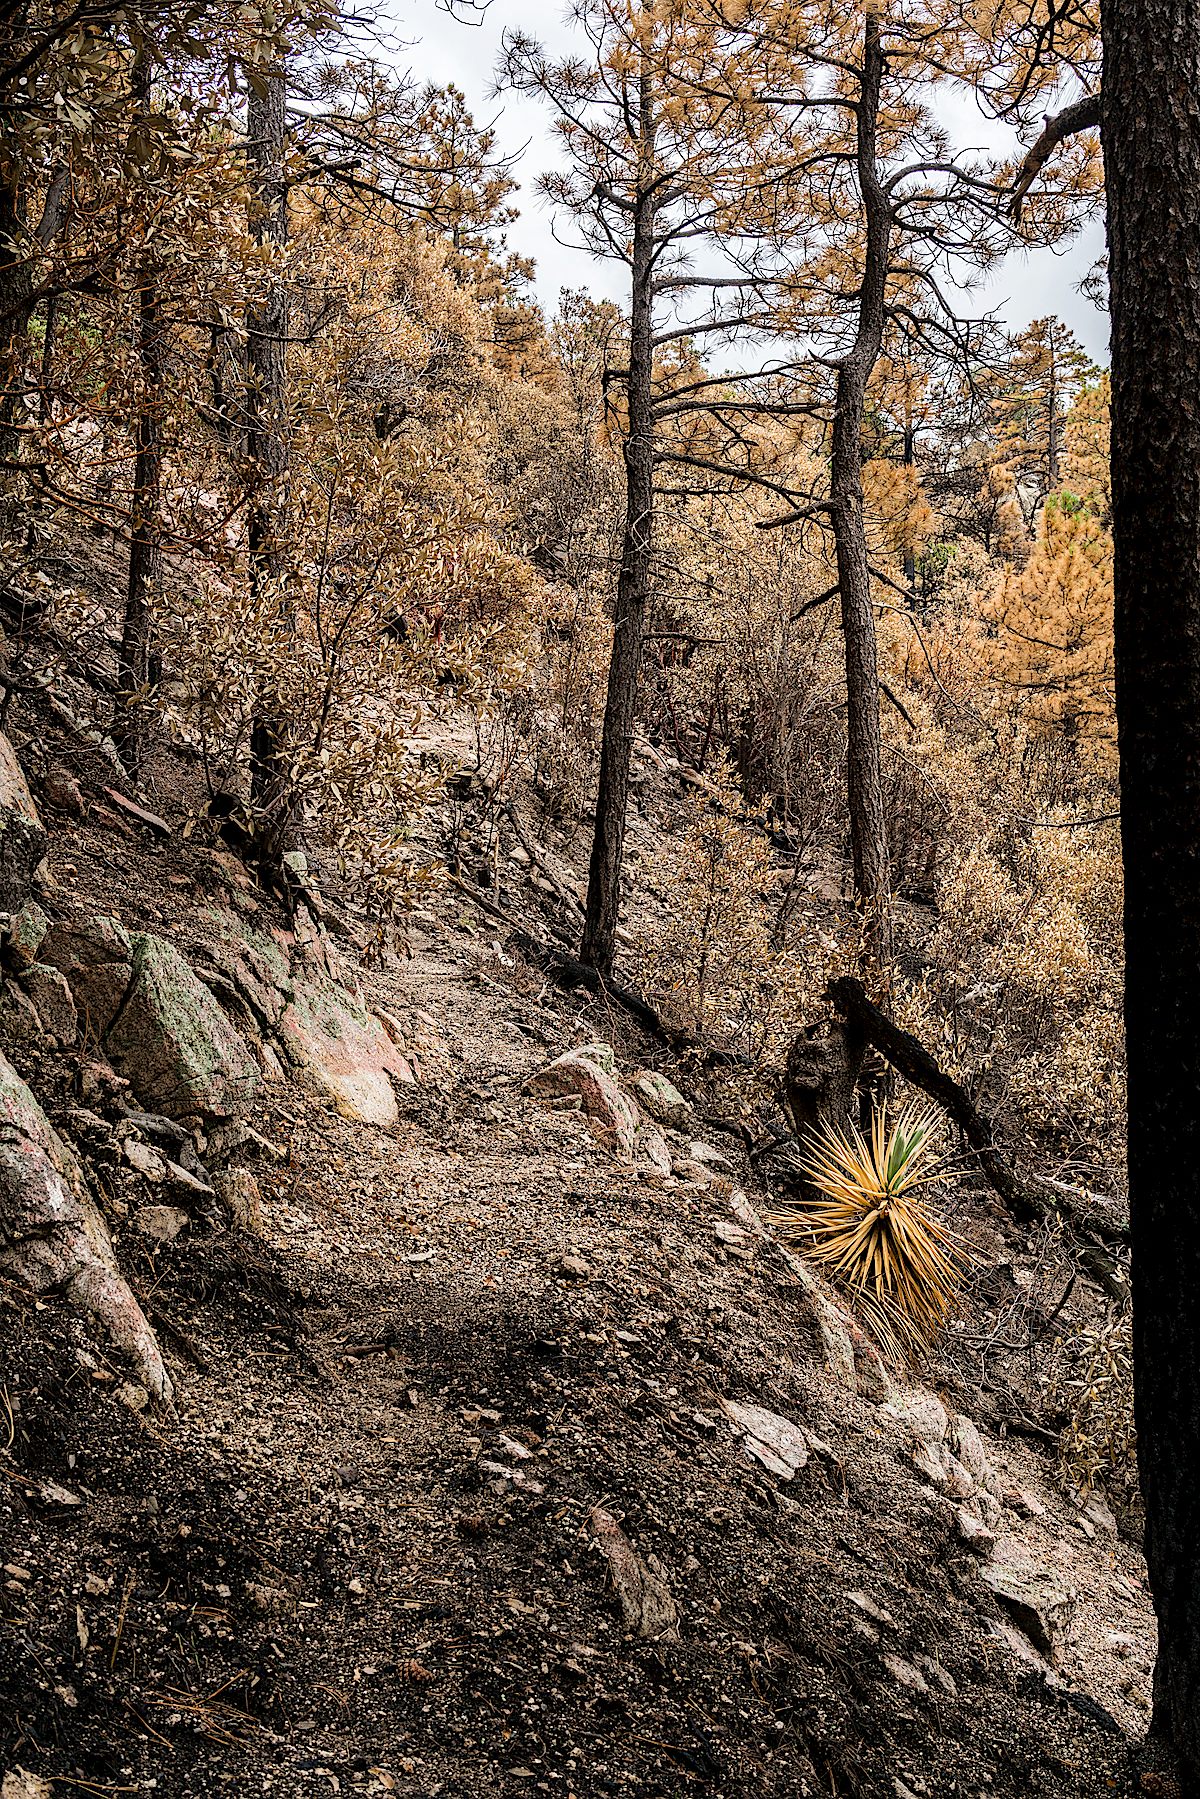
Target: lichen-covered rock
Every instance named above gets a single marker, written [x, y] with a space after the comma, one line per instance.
[258, 965]
[327, 1034]
[173, 1042]
[52, 1237]
[26, 934]
[22, 836]
[591, 1072]
[663, 1101]
[83, 942]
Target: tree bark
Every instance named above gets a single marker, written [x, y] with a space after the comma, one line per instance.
[266, 335]
[1081, 115]
[910, 458]
[18, 246]
[821, 1075]
[633, 587]
[864, 754]
[1151, 134]
[266, 449]
[145, 543]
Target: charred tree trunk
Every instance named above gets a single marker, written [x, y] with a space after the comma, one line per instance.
[821, 1076]
[145, 543]
[266, 448]
[266, 335]
[864, 754]
[633, 586]
[1052, 419]
[1151, 130]
[16, 302]
[1027, 1201]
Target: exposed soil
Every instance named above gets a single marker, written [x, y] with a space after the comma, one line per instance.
[360, 1555]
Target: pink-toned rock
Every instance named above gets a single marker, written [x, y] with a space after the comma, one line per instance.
[646, 1602]
[53, 1001]
[14, 788]
[344, 1049]
[52, 1237]
[96, 957]
[61, 790]
[973, 1531]
[780, 1445]
[591, 1072]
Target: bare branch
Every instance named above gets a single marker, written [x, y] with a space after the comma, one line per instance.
[1083, 115]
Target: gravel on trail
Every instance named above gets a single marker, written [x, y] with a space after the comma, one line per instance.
[370, 1551]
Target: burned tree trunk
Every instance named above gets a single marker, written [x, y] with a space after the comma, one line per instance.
[145, 541]
[266, 335]
[1151, 132]
[633, 587]
[145, 544]
[1027, 1200]
[864, 750]
[266, 451]
[821, 1075]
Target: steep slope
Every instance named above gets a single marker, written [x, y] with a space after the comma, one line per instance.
[455, 1496]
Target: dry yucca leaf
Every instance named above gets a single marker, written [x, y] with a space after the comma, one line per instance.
[873, 1227]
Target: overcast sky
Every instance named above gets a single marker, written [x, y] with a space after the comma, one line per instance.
[439, 49]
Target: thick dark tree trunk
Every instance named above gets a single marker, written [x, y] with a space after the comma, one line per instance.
[1151, 129]
[629, 617]
[145, 539]
[16, 304]
[821, 1075]
[266, 335]
[266, 448]
[145, 543]
[864, 756]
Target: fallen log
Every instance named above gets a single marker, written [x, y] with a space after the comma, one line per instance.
[1029, 1201]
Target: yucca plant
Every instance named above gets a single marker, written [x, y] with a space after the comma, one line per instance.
[874, 1229]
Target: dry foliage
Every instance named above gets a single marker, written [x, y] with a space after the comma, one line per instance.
[1094, 1384]
[872, 1227]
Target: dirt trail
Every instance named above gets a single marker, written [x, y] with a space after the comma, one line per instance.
[363, 1556]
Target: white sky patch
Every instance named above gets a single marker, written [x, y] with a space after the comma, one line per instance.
[437, 48]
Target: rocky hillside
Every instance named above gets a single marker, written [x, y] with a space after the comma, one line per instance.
[401, 1393]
